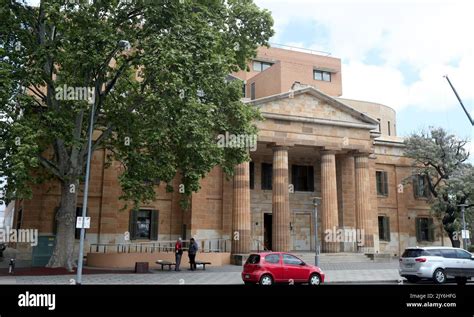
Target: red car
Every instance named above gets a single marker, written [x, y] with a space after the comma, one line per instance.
[279, 267]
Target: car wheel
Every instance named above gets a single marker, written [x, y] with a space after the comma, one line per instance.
[266, 279]
[314, 279]
[412, 279]
[461, 280]
[439, 277]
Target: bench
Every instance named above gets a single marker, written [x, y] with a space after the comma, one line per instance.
[203, 264]
[164, 263]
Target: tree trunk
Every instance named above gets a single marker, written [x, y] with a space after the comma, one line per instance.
[66, 224]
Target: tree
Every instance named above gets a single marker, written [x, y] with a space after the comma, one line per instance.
[155, 71]
[442, 159]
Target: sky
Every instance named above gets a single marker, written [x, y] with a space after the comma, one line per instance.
[392, 52]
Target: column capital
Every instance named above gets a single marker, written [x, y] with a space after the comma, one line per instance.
[362, 154]
[280, 148]
[328, 152]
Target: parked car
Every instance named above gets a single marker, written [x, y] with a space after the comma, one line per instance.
[268, 268]
[437, 264]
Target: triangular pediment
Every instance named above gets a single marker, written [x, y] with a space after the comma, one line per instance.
[310, 103]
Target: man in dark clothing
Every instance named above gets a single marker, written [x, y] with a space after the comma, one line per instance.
[178, 252]
[193, 248]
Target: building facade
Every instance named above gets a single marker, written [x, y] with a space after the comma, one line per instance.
[311, 143]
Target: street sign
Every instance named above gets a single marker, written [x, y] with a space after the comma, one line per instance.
[87, 223]
[465, 234]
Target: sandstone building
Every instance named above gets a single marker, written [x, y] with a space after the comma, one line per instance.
[312, 143]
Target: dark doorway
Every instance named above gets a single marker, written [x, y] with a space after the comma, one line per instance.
[267, 231]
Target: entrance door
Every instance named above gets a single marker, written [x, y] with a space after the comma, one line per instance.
[302, 232]
[267, 231]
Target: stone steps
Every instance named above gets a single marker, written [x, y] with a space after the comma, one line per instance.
[328, 258]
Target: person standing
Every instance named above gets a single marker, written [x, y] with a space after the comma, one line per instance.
[178, 252]
[193, 248]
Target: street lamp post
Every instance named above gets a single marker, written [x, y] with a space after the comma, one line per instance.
[124, 45]
[316, 201]
[85, 198]
[464, 233]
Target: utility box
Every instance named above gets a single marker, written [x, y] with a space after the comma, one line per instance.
[43, 251]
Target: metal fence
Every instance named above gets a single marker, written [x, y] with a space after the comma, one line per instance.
[208, 245]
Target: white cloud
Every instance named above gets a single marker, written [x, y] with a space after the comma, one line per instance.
[433, 37]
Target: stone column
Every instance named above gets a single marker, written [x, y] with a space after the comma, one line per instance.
[241, 210]
[329, 209]
[280, 201]
[362, 181]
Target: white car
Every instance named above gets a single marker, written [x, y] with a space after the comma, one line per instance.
[436, 263]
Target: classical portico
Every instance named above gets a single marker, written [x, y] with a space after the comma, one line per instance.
[324, 147]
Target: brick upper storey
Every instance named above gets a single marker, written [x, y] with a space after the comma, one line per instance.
[274, 70]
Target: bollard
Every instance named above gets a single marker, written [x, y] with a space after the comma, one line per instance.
[11, 267]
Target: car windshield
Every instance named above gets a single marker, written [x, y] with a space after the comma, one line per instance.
[414, 253]
[253, 259]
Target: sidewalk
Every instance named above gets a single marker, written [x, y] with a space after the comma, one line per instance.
[225, 275]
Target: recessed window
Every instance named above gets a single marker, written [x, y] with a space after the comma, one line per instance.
[259, 66]
[267, 173]
[302, 178]
[424, 229]
[144, 224]
[388, 128]
[382, 183]
[384, 228]
[420, 186]
[252, 91]
[252, 175]
[321, 75]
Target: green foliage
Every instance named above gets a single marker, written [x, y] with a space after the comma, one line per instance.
[160, 125]
[442, 157]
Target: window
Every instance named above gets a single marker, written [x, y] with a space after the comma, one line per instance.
[321, 75]
[272, 258]
[388, 127]
[19, 219]
[244, 87]
[420, 186]
[384, 228]
[252, 91]
[461, 254]
[259, 66]
[267, 171]
[414, 253]
[292, 260]
[382, 183]
[302, 178]
[435, 252]
[380, 128]
[143, 224]
[252, 175]
[253, 259]
[449, 253]
[424, 229]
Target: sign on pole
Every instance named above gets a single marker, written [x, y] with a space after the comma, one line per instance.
[86, 223]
